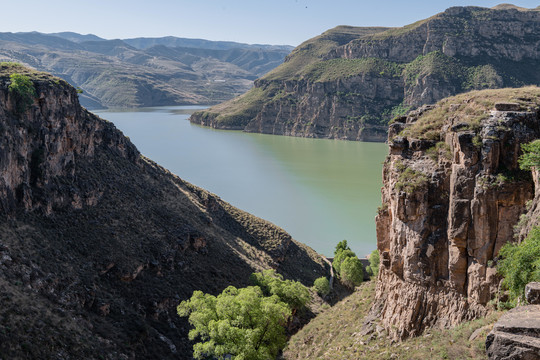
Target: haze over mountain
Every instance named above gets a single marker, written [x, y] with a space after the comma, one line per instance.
[144, 71]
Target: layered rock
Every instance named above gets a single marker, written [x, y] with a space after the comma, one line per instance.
[99, 244]
[347, 82]
[452, 194]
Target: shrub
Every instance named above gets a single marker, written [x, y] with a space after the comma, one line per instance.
[23, 91]
[520, 264]
[352, 273]
[374, 260]
[322, 286]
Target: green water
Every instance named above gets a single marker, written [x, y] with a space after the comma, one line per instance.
[320, 191]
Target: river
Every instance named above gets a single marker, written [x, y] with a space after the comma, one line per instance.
[320, 191]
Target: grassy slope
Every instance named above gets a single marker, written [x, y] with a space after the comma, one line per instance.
[336, 334]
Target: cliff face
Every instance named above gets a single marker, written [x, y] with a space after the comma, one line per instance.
[452, 194]
[98, 244]
[348, 82]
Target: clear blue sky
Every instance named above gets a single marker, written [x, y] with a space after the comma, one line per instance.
[250, 21]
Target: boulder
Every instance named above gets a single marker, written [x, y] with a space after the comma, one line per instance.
[516, 335]
[532, 293]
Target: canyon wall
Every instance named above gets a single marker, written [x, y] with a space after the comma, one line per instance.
[452, 194]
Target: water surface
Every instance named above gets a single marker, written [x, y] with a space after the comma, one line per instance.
[320, 191]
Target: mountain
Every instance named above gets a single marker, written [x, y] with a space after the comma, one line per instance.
[98, 244]
[144, 71]
[349, 82]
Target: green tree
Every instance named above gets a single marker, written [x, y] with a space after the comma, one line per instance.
[342, 245]
[352, 273]
[322, 286]
[374, 260]
[520, 264]
[340, 257]
[291, 292]
[242, 323]
[530, 156]
[23, 91]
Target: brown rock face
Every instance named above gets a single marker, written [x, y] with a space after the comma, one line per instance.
[451, 200]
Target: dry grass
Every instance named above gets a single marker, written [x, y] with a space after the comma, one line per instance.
[469, 108]
[335, 334]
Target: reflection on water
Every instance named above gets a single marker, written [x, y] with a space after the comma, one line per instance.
[320, 191]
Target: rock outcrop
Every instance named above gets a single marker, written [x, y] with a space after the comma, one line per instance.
[99, 244]
[348, 82]
[516, 336]
[452, 193]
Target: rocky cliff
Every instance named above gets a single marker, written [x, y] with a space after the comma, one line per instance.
[348, 82]
[98, 244]
[452, 194]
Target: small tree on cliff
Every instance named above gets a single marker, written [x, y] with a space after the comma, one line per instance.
[352, 272]
[530, 156]
[23, 91]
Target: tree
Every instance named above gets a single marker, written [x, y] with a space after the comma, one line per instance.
[352, 273]
[530, 156]
[23, 91]
[242, 323]
[520, 264]
[340, 257]
[291, 292]
[322, 286]
[342, 245]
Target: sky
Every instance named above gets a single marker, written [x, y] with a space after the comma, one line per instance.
[283, 22]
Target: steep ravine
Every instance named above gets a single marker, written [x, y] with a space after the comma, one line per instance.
[99, 244]
[452, 194]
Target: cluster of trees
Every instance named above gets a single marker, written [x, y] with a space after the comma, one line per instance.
[347, 265]
[519, 264]
[247, 323]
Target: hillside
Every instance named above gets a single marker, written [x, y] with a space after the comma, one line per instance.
[99, 244]
[144, 71]
[349, 82]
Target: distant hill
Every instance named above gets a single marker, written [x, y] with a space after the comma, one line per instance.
[144, 71]
[349, 82]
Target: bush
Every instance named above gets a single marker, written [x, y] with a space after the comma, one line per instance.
[520, 264]
[23, 91]
[374, 260]
[322, 286]
[352, 272]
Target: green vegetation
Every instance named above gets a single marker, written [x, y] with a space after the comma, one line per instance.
[347, 265]
[409, 179]
[322, 286]
[436, 64]
[352, 272]
[531, 155]
[290, 292]
[520, 264]
[334, 69]
[247, 323]
[23, 91]
[239, 322]
[374, 260]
